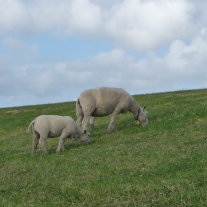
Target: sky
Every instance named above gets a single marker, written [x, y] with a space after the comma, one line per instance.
[52, 50]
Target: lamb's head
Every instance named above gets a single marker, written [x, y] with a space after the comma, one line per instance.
[142, 117]
[85, 137]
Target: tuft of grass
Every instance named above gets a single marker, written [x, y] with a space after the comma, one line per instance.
[162, 164]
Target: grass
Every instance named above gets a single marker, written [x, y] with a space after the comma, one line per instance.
[160, 165]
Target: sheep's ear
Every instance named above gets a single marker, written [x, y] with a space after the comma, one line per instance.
[144, 108]
[85, 132]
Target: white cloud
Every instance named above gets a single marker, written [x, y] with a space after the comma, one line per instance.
[85, 16]
[183, 55]
[183, 67]
[149, 24]
[17, 51]
[64, 17]
[13, 15]
[136, 24]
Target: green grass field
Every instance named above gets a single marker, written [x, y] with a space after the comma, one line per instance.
[163, 164]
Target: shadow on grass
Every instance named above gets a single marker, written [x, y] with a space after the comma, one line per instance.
[68, 146]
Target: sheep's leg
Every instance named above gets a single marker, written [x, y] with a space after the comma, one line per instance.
[116, 111]
[42, 143]
[112, 123]
[85, 121]
[61, 144]
[35, 143]
[79, 120]
[92, 120]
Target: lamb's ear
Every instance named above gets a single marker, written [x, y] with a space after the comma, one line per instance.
[144, 108]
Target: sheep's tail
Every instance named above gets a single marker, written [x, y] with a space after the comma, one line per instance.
[31, 125]
[79, 113]
[79, 110]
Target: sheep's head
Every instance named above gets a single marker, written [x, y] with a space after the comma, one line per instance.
[85, 137]
[142, 118]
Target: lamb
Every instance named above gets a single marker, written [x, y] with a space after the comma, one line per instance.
[104, 101]
[45, 126]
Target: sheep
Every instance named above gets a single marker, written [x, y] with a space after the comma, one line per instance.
[104, 101]
[45, 126]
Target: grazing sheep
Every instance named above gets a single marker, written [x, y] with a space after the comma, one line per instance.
[45, 126]
[103, 101]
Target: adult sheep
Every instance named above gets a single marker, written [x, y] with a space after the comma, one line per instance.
[103, 101]
[45, 126]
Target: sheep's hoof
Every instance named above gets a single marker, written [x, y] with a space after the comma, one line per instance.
[109, 131]
[92, 126]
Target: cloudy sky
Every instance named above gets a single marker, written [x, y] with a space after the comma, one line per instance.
[52, 50]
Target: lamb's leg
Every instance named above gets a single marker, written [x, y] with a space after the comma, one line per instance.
[42, 143]
[35, 143]
[92, 120]
[61, 144]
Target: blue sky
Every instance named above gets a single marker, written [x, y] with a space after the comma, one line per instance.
[52, 50]
[68, 48]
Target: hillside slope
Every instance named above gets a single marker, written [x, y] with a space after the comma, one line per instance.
[162, 164]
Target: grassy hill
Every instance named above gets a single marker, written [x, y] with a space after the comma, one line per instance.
[163, 164]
